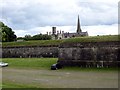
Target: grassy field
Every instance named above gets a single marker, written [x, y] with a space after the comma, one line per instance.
[57, 42]
[42, 65]
[14, 85]
[45, 63]
[26, 63]
[30, 62]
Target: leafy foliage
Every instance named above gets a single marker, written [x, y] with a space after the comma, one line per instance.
[37, 37]
[6, 33]
[27, 37]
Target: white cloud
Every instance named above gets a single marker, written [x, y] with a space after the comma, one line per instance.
[102, 30]
[33, 17]
[21, 33]
[106, 1]
[92, 30]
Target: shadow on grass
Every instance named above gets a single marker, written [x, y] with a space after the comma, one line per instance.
[90, 69]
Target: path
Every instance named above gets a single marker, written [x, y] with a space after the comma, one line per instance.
[61, 78]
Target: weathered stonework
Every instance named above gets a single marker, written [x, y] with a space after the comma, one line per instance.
[89, 54]
[30, 51]
[85, 54]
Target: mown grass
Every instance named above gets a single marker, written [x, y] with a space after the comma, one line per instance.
[57, 42]
[8, 85]
[90, 69]
[45, 63]
[40, 63]
[32, 43]
[27, 63]
[32, 63]
[94, 38]
[15, 85]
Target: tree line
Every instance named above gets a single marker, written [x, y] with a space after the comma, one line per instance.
[37, 37]
[8, 35]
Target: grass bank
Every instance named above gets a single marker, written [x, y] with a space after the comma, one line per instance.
[90, 69]
[14, 85]
[40, 63]
[57, 42]
[45, 63]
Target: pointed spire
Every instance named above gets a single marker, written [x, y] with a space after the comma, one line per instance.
[78, 26]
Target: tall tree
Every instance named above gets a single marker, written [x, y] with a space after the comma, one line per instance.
[37, 37]
[7, 35]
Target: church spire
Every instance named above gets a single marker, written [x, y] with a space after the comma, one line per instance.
[78, 26]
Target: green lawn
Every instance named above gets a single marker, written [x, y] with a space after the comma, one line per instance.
[44, 63]
[14, 85]
[57, 42]
[32, 43]
[94, 39]
[90, 69]
[26, 63]
[39, 63]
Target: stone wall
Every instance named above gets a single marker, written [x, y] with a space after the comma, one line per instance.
[89, 54]
[30, 51]
[86, 54]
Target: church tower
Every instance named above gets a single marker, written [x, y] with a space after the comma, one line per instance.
[78, 26]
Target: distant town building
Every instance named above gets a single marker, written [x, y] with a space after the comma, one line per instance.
[61, 35]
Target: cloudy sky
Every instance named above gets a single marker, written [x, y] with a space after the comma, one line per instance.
[38, 16]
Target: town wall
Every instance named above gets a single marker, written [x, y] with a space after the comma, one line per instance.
[30, 51]
[89, 54]
[83, 54]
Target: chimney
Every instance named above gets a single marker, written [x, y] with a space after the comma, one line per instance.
[62, 32]
[47, 33]
[57, 32]
[68, 33]
[54, 30]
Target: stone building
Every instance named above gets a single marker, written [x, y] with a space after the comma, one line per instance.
[61, 35]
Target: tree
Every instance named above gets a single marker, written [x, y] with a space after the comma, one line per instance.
[27, 37]
[7, 33]
[41, 37]
[37, 37]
